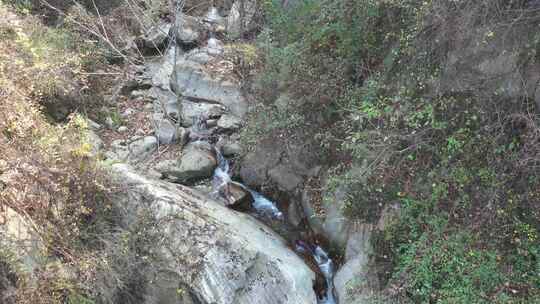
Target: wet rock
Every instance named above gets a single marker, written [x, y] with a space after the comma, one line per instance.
[319, 285]
[196, 163]
[194, 84]
[229, 122]
[219, 255]
[238, 198]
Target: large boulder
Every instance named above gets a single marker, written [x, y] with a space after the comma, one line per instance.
[167, 132]
[198, 161]
[191, 111]
[192, 82]
[256, 164]
[238, 198]
[214, 254]
[286, 179]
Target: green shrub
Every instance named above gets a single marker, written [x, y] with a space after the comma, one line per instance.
[362, 79]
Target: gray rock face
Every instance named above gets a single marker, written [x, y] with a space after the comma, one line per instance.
[255, 165]
[166, 102]
[160, 70]
[285, 179]
[192, 82]
[495, 66]
[221, 256]
[197, 162]
[168, 132]
[193, 110]
[354, 283]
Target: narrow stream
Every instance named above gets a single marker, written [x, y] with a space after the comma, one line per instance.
[265, 207]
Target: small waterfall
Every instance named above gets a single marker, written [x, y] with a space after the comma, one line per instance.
[221, 177]
[326, 265]
[261, 204]
[265, 207]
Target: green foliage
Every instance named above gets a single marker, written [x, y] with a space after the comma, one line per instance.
[363, 79]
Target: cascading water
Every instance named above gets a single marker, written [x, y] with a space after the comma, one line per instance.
[221, 182]
[221, 179]
[326, 265]
[266, 207]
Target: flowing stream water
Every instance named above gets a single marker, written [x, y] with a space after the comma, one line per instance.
[265, 207]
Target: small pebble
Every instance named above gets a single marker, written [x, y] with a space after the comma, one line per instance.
[122, 129]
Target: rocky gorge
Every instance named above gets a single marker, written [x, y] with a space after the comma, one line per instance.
[181, 170]
[247, 151]
[236, 225]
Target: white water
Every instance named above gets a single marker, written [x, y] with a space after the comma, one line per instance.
[266, 207]
[261, 204]
[326, 265]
